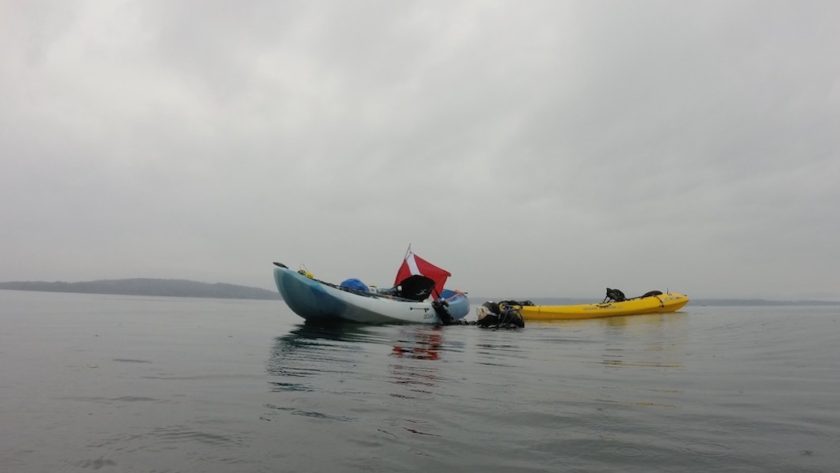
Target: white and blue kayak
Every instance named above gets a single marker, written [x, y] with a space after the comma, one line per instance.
[319, 301]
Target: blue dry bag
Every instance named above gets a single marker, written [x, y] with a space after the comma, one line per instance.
[354, 285]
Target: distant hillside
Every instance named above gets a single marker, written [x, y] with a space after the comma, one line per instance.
[761, 302]
[187, 288]
[147, 287]
[693, 302]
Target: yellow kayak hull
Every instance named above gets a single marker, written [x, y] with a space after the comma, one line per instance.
[663, 303]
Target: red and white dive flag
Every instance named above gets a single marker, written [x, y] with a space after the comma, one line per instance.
[415, 265]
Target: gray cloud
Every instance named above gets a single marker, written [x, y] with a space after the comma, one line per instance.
[547, 148]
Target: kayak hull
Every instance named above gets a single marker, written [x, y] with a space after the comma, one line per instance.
[660, 304]
[316, 301]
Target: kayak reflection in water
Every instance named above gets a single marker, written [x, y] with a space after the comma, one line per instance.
[424, 344]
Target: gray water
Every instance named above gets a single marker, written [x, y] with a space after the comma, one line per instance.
[147, 384]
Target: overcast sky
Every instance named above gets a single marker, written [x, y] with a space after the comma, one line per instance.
[531, 148]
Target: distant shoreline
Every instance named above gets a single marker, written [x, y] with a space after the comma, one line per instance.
[188, 288]
[760, 302]
[716, 302]
[147, 287]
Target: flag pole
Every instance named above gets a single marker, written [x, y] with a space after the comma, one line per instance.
[407, 251]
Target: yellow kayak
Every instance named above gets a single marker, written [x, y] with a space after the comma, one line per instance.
[659, 304]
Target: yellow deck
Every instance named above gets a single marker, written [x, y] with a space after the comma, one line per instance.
[668, 302]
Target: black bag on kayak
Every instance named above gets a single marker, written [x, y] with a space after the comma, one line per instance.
[615, 295]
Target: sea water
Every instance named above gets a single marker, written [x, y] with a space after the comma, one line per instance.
[155, 384]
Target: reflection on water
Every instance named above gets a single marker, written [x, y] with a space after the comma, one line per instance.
[333, 352]
[644, 341]
[305, 334]
[314, 350]
[412, 378]
[422, 343]
[347, 372]
[653, 341]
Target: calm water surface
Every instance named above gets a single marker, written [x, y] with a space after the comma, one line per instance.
[145, 384]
